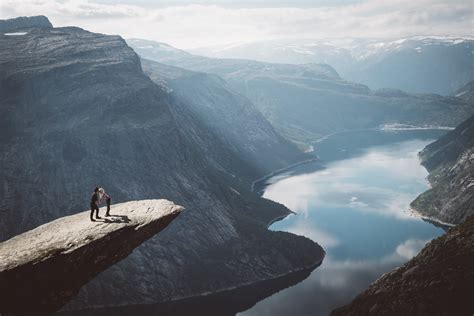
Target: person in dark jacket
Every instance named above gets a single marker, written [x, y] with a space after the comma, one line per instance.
[95, 198]
[104, 196]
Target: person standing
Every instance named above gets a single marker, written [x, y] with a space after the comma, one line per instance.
[95, 198]
[104, 196]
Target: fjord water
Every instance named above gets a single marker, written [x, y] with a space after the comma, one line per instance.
[355, 204]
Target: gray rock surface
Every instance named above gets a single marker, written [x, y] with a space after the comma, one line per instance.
[42, 269]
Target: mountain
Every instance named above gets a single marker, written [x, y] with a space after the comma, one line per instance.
[231, 116]
[24, 23]
[450, 162]
[77, 110]
[416, 64]
[466, 93]
[305, 102]
[48, 265]
[438, 281]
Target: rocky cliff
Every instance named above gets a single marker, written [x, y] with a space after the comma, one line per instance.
[450, 162]
[438, 281]
[229, 115]
[76, 110]
[42, 269]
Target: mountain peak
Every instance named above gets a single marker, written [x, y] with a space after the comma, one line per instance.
[24, 23]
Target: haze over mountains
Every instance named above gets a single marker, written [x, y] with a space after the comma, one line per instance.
[305, 102]
[420, 64]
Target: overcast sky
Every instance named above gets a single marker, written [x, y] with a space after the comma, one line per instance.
[200, 23]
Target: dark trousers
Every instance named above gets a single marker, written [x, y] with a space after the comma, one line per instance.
[108, 206]
[96, 208]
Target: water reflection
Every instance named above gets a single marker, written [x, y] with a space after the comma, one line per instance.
[335, 281]
[356, 207]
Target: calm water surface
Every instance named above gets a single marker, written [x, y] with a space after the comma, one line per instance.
[355, 205]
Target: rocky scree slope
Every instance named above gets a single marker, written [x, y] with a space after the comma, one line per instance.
[42, 269]
[438, 281]
[305, 102]
[76, 110]
[450, 162]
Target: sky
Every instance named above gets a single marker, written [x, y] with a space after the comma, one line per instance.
[201, 23]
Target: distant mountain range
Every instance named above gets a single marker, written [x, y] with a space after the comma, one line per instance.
[416, 64]
[305, 102]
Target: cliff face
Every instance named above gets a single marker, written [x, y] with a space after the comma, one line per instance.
[76, 110]
[229, 115]
[42, 269]
[438, 281]
[450, 162]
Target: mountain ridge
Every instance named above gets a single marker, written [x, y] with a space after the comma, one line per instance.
[306, 102]
[409, 63]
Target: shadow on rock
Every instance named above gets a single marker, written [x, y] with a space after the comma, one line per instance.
[116, 219]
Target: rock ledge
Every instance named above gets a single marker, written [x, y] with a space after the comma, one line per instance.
[42, 269]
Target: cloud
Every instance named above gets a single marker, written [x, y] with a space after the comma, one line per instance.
[302, 227]
[196, 25]
[410, 248]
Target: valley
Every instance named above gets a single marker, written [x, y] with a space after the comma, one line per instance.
[309, 171]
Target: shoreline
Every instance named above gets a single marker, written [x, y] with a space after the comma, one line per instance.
[280, 218]
[180, 300]
[414, 213]
[278, 171]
